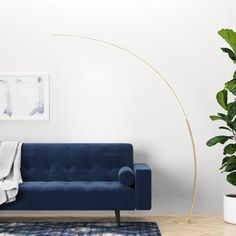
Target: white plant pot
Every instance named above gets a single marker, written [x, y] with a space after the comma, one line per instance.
[230, 208]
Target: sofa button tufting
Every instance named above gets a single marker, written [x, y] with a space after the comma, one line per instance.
[87, 169]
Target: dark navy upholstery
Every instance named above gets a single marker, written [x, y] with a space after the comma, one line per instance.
[142, 187]
[73, 195]
[80, 177]
[74, 162]
[126, 176]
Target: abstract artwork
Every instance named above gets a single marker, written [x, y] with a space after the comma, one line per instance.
[24, 96]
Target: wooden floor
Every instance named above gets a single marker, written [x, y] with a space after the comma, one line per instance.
[200, 226]
[169, 225]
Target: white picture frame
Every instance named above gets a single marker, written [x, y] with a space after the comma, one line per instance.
[24, 96]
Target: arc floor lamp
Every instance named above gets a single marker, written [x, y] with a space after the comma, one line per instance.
[172, 91]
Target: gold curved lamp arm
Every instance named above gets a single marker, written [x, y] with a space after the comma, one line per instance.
[176, 97]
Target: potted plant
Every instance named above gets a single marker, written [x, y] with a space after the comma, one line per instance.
[227, 100]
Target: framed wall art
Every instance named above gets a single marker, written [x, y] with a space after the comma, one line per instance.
[24, 96]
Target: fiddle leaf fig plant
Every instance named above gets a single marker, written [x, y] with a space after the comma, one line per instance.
[227, 100]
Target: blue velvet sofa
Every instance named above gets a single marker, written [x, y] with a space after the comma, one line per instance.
[82, 177]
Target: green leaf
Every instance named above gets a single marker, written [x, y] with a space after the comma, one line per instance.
[231, 160]
[231, 86]
[218, 139]
[234, 125]
[225, 160]
[230, 53]
[229, 164]
[222, 127]
[222, 98]
[234, 76]
[231, 178]
[230, 37]
[229, 105]
[230, 149]
[224, 117]
[230, 168]
[231, 110]
[214, 117]
[222, 167]
[221, 114]
[230, 124]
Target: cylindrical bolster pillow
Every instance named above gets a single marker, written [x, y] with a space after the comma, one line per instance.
[126, 176]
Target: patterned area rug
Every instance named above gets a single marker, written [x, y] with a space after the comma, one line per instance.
[80, 229]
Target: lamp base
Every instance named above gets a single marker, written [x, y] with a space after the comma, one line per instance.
[185, 220]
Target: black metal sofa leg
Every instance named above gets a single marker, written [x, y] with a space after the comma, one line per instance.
[117, 213]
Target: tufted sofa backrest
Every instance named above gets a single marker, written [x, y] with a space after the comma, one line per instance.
[74, 162]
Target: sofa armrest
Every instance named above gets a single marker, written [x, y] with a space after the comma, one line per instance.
[143, 193]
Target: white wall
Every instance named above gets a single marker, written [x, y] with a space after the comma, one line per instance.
[101, 94]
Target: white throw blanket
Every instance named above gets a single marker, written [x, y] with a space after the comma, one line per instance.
[10, 175]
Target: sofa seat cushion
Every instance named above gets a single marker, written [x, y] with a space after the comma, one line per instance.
[74, 195]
